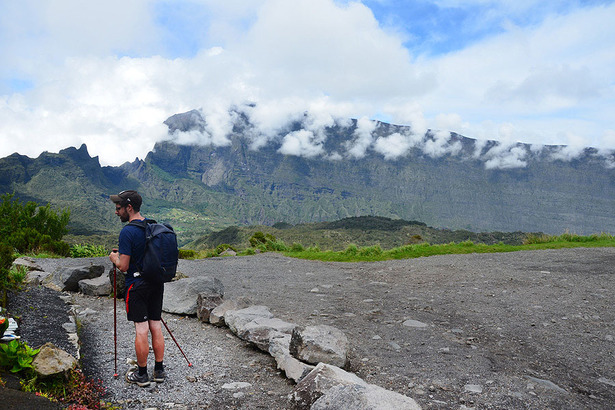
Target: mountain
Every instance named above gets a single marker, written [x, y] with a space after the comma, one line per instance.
[448, 182]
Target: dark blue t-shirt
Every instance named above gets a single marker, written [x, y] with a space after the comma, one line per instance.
[132, 242]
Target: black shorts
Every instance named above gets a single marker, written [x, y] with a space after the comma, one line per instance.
[144, 301]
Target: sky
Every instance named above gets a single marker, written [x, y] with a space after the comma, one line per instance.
[109, 73]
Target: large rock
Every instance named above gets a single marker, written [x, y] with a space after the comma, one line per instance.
[294, 369]
[35, 277]
[180, 296]
[205, 303]
[329, 387]
[27, 263]
[363, 397]
[69, 279]
[261, 330]
[216, 316]
[99, 286]
[322, 343]
[237, 319]
[52, 360]
[319, 381]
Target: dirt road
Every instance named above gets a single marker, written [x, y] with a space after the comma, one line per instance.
[529, 330]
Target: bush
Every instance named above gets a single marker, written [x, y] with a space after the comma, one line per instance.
[351, 250]
[187, 254]
[31, 228]
[259, 238]
[370, 251]
[297, 247]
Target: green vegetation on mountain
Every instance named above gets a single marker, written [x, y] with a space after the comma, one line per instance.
[359, 231]
[203, 190]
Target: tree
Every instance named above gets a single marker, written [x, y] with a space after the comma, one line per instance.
[28, 228]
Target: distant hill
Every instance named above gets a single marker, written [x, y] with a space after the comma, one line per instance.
[452, 183]
[361, 231]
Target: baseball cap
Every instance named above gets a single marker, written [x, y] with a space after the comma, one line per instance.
[127, 197]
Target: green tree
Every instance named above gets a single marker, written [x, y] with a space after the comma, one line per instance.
[27, 228]
[32, 228]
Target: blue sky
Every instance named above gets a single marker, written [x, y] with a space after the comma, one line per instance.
[109, 73]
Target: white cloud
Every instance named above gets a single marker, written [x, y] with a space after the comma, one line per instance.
[301, 143]
[363, 138]
[109, 79]
[502, 157]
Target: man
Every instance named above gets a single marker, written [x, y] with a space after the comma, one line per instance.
[143, 299]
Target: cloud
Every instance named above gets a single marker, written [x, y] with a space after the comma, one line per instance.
[301, 143]
[88, 74]
[502, 157]
[363, 138]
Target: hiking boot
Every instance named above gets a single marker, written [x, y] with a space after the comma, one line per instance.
[133, 376]
[159, 376]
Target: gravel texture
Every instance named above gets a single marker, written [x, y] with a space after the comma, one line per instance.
[531, 330]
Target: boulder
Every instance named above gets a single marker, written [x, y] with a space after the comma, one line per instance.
[99, 286]
[318, 382]
[237, 319]
[69, 279]
[205, 303]
[364, 397]
[216, 316]
[27, 263]
[52, 360]
[36, 277]
[294, 369]
[322, 343]
[180, 296]
[261, 330]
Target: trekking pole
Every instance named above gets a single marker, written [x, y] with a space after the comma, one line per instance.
[115, 315]
[173, 337]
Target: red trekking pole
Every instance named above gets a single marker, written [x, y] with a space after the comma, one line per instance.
[173, 337]
[115, 315]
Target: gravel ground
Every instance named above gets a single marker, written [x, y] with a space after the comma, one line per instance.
[531, 330]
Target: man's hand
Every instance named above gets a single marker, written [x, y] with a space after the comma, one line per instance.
[114, 257]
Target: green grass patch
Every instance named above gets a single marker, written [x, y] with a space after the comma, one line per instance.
[375, 253]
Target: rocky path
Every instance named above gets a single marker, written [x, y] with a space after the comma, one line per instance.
[517, 330]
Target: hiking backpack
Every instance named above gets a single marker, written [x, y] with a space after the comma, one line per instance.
[161, 251]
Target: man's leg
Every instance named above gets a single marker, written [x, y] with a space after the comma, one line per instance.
[155, 328]
[141, 342]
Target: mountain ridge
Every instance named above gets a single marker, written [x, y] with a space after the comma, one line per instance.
[249, 179]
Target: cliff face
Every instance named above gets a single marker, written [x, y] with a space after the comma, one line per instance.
[198, 188]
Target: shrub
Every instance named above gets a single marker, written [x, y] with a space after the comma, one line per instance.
[259, 238]
[31, 228]
[370, 251]
[187, 254]
[351, 250]
[297, 247]
[223, 247]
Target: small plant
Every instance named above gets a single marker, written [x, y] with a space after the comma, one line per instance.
[297, 247]
[16, 356]
[72, 388]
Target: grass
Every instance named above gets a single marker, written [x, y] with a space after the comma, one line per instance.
[374, 253]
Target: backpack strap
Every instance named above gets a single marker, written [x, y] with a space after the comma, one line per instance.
[141, 224]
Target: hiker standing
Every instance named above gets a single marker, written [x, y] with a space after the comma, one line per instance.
[143, 298]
